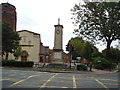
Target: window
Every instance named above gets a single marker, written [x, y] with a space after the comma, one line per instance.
[29, 42]
[4, 13]
[24, 38]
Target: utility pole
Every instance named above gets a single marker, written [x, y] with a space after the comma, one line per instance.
[70, 59]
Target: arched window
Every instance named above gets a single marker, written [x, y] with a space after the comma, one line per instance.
[24, 55]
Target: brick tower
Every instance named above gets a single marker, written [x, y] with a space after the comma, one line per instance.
[9, 14]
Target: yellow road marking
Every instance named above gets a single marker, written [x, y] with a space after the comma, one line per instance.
[86, 78]
[64, 87]
[64, 77]
[31, 76]
[4, 79]
[110, 80]
[22, 80]
[112, 83]
[102, 84]
[74, 82]
[48, 81]
[49, 86]
[53, 87]
[65, 81]
[59, 81]
[17, 82]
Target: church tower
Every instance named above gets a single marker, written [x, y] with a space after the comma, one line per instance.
[58, 42]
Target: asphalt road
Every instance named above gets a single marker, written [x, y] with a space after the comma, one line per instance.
[40, 80]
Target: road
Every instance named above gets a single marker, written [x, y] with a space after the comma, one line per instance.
[40, 80]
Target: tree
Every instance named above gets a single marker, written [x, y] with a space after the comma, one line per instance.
[10, 39]
[98, 21]
[114, 55]
[83, 48]
[86, 51]
[78, 44]
[17, 52]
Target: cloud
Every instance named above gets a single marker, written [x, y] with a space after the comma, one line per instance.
[40, 16]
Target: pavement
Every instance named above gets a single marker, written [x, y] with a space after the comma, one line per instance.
[25, 80]
[102, 71]
[59, 71]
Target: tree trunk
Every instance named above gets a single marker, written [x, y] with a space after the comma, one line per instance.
[6, 57]
[3, 55]
[108, 49]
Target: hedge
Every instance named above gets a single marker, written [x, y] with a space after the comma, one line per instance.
[102, 63]
[17, 63]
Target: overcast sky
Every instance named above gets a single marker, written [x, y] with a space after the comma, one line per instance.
[40, 16]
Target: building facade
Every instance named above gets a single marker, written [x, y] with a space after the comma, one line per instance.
[30, 45]
[44, 53]
[31, 48]
[9, 14]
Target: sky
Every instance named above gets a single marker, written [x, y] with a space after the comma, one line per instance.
[40, 16]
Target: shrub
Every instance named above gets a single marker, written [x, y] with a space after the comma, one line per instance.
[81, 67]
[17, 63]
[102, 63]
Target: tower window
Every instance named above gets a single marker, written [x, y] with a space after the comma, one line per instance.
[4, 13]
[5, 6]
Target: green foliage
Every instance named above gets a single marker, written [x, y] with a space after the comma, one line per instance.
[86, 51]
[96, 53]
[14, 63]
[78, 42]
[114, 55]
[17, 52]
[97, 21]
[81, 67]
[10, 39]
[83, 48]
[102, 63]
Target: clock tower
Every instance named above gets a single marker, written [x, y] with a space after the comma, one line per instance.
[58, 36]
[58, 41]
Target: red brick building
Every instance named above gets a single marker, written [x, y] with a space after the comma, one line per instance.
[44, 53]
[66, 57]
[84, 61]
[9, 14]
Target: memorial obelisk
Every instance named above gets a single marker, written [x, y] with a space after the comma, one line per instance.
[58, 42]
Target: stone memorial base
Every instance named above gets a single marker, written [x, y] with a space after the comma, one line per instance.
[57, 58]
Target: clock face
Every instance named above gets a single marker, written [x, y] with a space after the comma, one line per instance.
[57, 31]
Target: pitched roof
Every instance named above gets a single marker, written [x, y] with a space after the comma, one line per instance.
[28, 31]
